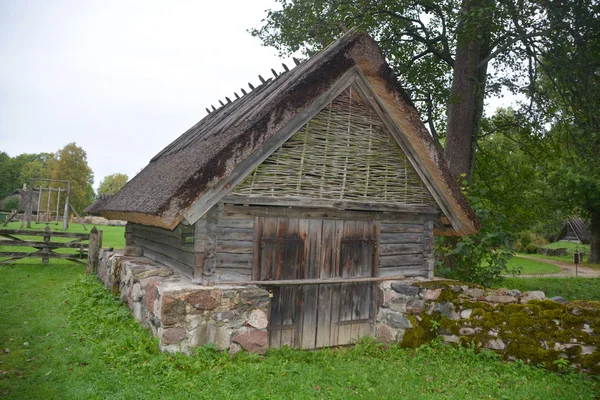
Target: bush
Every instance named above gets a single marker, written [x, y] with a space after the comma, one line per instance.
[531, 249]
[12, 204]
[481, 257]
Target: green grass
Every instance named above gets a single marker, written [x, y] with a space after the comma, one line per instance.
[532, 267]
[569, 288]
[570, 246]
[68, 338]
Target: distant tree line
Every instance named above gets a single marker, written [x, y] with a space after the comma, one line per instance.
[68, 163]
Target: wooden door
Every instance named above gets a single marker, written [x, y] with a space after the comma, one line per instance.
[345, 312]
[318, 315]
[281, 258]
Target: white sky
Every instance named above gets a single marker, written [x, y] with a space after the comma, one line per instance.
[122, 79]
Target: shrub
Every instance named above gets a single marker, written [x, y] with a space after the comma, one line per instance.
[11, 204]
[531, 249]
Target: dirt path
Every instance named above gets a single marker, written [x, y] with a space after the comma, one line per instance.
[566, 269]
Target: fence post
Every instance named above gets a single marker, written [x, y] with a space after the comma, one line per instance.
[46, 250]
[93, 251]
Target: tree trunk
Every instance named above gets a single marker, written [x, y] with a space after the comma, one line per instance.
[594, 256]
[468, 85]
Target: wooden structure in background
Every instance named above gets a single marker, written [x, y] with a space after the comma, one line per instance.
[324, 175]
[574, 230]
[35, 205]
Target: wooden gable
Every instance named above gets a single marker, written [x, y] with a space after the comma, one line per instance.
[344, 153]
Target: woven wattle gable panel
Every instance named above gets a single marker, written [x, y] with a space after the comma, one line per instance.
[344, 153]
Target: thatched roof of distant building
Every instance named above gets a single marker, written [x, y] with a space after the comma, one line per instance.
[574, 229]
[23, 195]
[188, 172]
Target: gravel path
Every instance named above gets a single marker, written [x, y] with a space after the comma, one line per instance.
[566, 269]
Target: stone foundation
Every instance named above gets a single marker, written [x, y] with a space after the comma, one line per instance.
[411, 312]
[183, 314]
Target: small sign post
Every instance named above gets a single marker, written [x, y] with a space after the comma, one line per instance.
[577, 258]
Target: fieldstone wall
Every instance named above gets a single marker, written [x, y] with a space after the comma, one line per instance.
[183, 314]
[412, 312]
[526, 326]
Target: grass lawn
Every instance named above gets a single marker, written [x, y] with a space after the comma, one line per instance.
[571, 248]
[63, 336]
[569, 288]
[532, 267]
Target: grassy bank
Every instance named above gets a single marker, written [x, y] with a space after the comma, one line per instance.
[531, 267]
[569, 288]
[68, 338]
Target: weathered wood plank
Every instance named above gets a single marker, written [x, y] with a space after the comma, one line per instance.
[183, 269]
[401, 228]
[231, 260]
[398, 249]
[236, 223]
[328, 213]
[228, 233]
[51, 245]
[234, 246]
[24, 232]
[333, 204]
[163, 240]
[186, 258]
[402, 260]
[400, 238]
[405, 271]
[40, 254]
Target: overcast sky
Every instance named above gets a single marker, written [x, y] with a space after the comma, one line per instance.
[122, 79]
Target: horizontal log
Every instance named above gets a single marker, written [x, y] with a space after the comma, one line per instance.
[50, 245]
[176, 233]
[184, 257]
[183, 269]
[401, 228]
[234, 246]
[236, 223]
[23, 232]
[399, 261]
[298, 282]
[338, 205]
[328, 213]
[398, 249]
[408, 271]
[165, 240]
[228, 233]
[41, 254]
[400, 238]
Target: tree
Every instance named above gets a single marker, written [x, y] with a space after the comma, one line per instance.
[433, 45]
[15, 171]
[71, 164]
[567, 98]
[111, 184]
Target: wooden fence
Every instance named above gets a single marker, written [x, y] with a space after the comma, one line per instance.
[86, 246]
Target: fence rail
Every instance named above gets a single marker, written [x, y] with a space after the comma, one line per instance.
[88, 245]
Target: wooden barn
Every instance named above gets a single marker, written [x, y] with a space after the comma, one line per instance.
[323, 175]
[574, 230]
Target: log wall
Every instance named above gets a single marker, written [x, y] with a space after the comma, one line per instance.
[172, 248]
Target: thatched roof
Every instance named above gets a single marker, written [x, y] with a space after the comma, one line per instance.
[577, 227]
[197, 167]
[96, 206]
